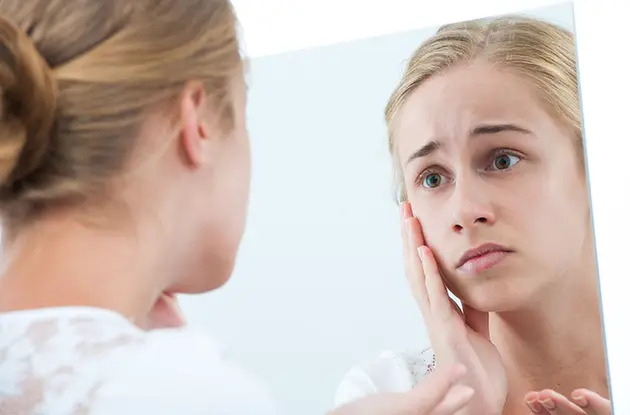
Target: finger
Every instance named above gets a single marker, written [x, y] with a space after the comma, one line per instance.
[591, 402]
[456, 399]
[408, 253]
[405, 213]
[426, 395]
[557, 404]
[476, 320]
[531, 400]
[407, 217]
[405, 210]
[165, 313]
[415, 230]
[439, 301]
[413, 267]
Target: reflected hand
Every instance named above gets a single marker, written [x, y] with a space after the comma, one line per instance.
[437, 394]
[165, 313]
[581, 402]
[456, 336]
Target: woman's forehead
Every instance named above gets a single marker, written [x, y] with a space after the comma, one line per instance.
[462, 99]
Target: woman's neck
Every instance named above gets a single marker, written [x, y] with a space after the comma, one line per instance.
[556, 343]
[62, 262]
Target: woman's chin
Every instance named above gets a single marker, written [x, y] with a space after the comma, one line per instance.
[205, 276]
[488, 301]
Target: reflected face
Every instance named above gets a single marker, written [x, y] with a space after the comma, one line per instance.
[496, 183]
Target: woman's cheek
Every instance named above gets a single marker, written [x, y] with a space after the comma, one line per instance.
[430, 222]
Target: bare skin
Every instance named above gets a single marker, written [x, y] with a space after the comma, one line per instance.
[579, 402]
[439, 394]
[462, 336]
[485, 162]
[148, 245]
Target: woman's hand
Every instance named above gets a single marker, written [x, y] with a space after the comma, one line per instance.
[438, 394]
[165, 313]
[581, 402]
[456, 336]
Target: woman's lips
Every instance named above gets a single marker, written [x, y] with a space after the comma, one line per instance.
[483, 262]
[483, 257]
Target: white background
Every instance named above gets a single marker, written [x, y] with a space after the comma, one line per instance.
[318, 286]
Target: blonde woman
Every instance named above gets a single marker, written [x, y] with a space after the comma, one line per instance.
[486, 138]
[124, 179]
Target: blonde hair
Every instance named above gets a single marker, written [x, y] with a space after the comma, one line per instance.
[538, 50]
[78, 77]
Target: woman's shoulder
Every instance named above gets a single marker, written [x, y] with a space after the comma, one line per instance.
[60, 361]
[182, 371]
[390, 371]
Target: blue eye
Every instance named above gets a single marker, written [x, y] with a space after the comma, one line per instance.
[504, 161]
[432, 180]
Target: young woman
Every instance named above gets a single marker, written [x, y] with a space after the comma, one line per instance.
[485, 133]
[124, 175]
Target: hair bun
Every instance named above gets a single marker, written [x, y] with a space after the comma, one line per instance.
[28, 101]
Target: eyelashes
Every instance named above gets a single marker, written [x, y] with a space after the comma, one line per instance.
[499, 161]
[506, 159]
[430, 179]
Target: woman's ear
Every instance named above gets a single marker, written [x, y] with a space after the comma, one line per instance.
[194, 134]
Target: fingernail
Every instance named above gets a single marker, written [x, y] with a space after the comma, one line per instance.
[580, 400]
[533, 407]
[548, 403]
[404, 210]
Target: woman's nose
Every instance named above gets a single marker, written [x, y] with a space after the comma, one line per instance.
[471, 208]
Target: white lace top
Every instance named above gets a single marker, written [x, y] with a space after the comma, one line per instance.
[390, 372]
[78, 361]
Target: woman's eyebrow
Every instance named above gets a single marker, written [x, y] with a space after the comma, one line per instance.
[498, 128]
[425, 150]
[485, 129]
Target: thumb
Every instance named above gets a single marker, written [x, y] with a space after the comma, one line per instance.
[476, 320]
[587, 398]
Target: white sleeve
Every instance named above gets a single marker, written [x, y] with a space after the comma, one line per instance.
[177, 373]
[388, 373]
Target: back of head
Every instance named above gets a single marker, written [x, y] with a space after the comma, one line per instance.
[540, 51]
[77, 78]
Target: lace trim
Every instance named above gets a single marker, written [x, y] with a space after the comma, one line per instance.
[419, 364]
[56, 362]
